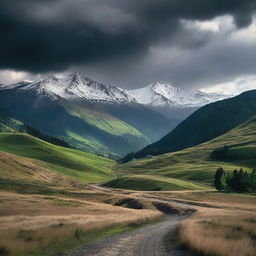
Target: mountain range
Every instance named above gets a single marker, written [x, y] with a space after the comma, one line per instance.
[101, 118]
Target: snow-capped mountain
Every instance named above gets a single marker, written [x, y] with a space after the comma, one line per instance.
[75, 87]
[166, 95]
[115, 120]
[78, 87]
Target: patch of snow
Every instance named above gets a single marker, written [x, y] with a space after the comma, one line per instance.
[159, 94]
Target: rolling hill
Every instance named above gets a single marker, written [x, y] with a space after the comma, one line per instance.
[67, 162]
[205, 124]
[196, 164]
[153, 183]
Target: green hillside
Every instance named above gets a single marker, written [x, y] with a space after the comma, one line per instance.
[117, 133]
[205, 124]
[70, 162]
[195, 164]
[105, 129]
[153, 183]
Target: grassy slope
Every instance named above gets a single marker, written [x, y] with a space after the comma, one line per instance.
[104, 122]
[153, 183]
[205, 124]
[74, 163]
[194, 164]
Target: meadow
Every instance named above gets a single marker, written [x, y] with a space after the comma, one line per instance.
[72, 163]
[153, 183]
[195, 164]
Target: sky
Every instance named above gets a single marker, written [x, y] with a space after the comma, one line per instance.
[208, 44]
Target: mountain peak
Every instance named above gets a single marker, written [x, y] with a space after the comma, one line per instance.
[167, 95]
[75, 86]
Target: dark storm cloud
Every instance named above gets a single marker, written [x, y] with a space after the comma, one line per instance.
[53, 35]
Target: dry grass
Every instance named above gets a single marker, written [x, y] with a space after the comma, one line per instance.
[28, 222]
[224, 225]
[228, 235]
[23, 169]
[226, 231]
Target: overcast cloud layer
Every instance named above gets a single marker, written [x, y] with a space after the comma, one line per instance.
[192, 43]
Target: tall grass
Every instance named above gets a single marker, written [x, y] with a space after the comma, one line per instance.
[228, 235]
[48, 225]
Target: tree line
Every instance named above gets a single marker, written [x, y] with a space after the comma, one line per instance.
[51, 139]
[239, 181]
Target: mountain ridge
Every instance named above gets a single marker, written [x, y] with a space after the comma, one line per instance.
[96, 117]
[164, 94]
[205, 124]
[78, 87]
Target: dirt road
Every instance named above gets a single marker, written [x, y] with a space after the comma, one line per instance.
[149, 240]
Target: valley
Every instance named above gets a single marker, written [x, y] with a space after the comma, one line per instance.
[100, 118]
[127, 128]
[65, 201]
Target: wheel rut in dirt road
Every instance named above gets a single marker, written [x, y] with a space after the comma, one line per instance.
[148, 240]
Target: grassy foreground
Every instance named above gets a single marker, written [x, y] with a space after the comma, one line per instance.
[229, 230]
[76, 164]
[38, 224]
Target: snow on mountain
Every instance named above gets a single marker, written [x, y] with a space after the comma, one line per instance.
[78, 87]
[164, 95]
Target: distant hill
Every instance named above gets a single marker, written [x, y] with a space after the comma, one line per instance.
[196, 164]
[205, 124]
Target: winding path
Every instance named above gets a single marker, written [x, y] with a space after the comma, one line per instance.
[145, 241]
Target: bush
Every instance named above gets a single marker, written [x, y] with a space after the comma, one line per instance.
[78, 233]
[3, 251]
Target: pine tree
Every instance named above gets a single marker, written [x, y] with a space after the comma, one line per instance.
[220, 179]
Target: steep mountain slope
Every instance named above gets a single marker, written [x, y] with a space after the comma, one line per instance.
[68, 162]
[173, 102]
[8, 124]
[205, 124]
[94, 117]
[196, 164]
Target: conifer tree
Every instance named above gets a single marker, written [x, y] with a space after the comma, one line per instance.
[220, 179]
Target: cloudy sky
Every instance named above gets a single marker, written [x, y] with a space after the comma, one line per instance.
[207, 44]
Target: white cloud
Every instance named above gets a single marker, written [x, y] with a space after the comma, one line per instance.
[234, 87]
[10, 76]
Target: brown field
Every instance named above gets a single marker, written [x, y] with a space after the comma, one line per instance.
[223, 225]
[28, 222]
[24, 169]
[40, 209]
[220, 233]
[229, 230]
